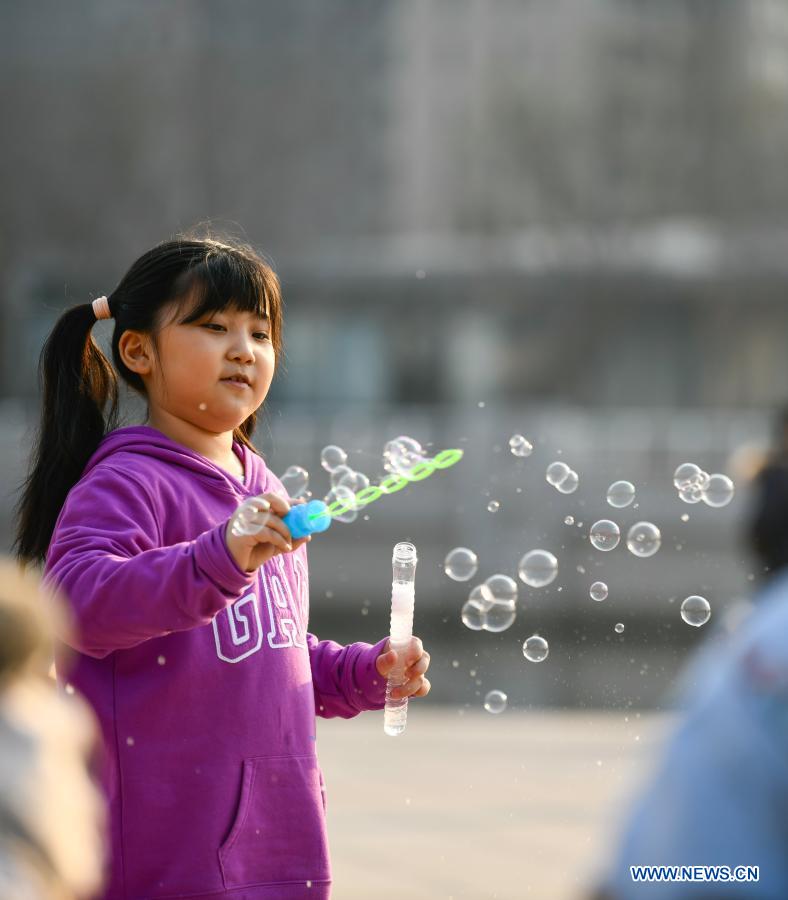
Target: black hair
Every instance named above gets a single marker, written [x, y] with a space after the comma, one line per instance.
[78, 382]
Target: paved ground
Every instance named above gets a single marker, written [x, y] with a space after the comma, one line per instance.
[471, 806]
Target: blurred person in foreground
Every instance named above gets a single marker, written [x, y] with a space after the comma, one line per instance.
[51, 812]
[719, 796]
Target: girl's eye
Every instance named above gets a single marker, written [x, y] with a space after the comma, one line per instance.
[258, 334]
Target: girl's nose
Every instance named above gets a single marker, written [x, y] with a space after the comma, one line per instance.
[242, 350]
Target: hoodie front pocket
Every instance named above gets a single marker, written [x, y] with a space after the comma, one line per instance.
[279, 832]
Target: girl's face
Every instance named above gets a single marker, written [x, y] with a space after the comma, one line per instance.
[191, 378]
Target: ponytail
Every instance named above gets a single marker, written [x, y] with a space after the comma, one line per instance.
[76, 381]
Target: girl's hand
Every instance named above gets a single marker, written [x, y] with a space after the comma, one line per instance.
[250, 551]
[416, 661]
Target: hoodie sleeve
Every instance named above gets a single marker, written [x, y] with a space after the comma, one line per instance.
[121, 586]
[345, 679]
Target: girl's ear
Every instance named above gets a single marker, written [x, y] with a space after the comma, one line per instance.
[134, 349]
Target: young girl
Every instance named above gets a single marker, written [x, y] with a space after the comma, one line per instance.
[191, 642]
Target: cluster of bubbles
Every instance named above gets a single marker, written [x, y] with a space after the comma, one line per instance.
[400, 455]
[643, 538]
[562, 477]
[520, 446]
[346, 482]
[491, 605]
[694, 485]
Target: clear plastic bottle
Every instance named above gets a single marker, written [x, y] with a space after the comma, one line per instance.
[403, 598]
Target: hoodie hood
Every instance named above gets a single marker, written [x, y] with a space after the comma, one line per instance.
[144, 441]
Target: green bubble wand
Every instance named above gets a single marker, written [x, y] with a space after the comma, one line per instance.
[316, 516]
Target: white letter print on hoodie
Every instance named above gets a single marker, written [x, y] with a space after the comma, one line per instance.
[238, 630]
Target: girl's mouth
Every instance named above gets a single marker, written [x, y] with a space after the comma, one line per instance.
[238, 385]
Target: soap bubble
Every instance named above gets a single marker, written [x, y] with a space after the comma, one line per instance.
[331, 457]
[339, 473]
[460, 564]
[621, 494]
[643, 539]
[718, 491]
[502, 588]
[619, 628]
[569, 484]
[598, 591]
[500, 616]
[693, 493]
[604, 535]
[569, 520]
[556, 472]
[352, 480]
[493, 506]
[474, 610]
[401, 454]
[538, 568]
[250, 517]
[483, 596]
[535, 648]
[695, 610]
[495, 702]
[473, 616]
[348, 499]
[687, 475]
[520, 446]
[295, 481]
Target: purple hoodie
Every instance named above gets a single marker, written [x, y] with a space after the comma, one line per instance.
[204, 679]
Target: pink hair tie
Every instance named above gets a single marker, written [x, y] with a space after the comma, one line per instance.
[101, 308]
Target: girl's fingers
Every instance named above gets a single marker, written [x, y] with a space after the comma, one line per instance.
[414, 651]
[279, 505]
[270, 535]
[418, 687]
[419, 667]
[274, 523]
[424, 689]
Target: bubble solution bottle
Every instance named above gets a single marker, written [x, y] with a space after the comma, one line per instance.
[403, 599]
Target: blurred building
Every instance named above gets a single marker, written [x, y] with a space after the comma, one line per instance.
[572, 212]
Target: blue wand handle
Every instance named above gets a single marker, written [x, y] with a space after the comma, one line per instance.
[307, 518]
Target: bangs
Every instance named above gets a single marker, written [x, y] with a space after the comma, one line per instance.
[224, 280]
